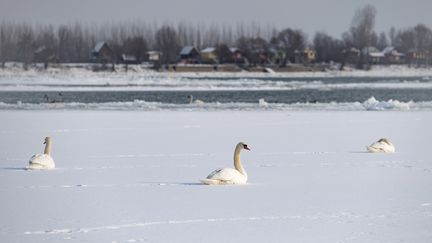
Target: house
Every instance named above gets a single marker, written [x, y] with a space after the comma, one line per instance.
[352, 55]
[418, 56]
[102, 53]
[153, 56]
[373, 55]
[208, 55]
[238, 56]
[44, 55]
[189, 54]
[392, 56]
[129, 59]
[307, 55]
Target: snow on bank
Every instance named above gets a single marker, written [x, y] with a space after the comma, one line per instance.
[84, 71]
[133, 177]
[370, 105]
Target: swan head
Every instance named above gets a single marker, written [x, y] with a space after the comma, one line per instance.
[190, 98]
[244, 146]
[47, 140]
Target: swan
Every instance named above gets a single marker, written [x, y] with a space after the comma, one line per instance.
[381, 146]
[192, 101]
[226, 176]
[262, 102]
[42, 161]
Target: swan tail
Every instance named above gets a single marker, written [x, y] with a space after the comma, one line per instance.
[372, 149]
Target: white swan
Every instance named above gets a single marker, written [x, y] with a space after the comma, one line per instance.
[192, 101]
[381, 146]
[227, 176]
[262, 102]
[42, 161]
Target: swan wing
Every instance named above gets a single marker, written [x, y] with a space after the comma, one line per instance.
[41, 161]
[225, 176]
[381, 147]
[198, 102]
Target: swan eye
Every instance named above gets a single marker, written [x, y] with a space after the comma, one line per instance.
[245, 146]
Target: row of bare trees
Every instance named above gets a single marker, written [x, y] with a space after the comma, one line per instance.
[74, 42]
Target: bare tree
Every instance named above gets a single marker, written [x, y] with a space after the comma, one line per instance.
[328, 48]
[255, 49]
[223, 53]
[416, 39]
[135, 46]
[211, 36]
[25, 45]
[392, 36]
[362, 26]
[423, 37]
[81, 48]
[382, 41]
[405, 40]
[7, 32]
[45, 45]
[168, 43]
[361, 33]
[65, 43]
[290, 40]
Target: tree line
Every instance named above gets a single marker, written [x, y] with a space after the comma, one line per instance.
[74, 42]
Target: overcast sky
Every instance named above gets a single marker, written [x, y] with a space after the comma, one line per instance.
[331, 16]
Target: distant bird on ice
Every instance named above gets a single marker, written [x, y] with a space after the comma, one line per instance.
[192, 101]
[42, 161]
[381, 146]
[227, 176]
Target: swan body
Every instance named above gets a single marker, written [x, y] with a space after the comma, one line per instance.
[381, 146]
[225, 176]
[229, 176]
[42, 161]
[197, 102]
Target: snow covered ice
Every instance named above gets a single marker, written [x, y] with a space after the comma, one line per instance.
[129, 170]
[133, 176]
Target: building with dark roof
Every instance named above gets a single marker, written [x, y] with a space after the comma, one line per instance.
[189, 54]
[102, 53]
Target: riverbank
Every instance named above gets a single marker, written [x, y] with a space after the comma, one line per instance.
[291, 70]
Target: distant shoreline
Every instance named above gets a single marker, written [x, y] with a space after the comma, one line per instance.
[179, 68]
[224, 70]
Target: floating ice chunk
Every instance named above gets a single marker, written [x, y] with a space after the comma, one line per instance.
[374, 104]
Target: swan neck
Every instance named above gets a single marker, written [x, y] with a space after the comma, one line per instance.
[48, 148]
[237, 162]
